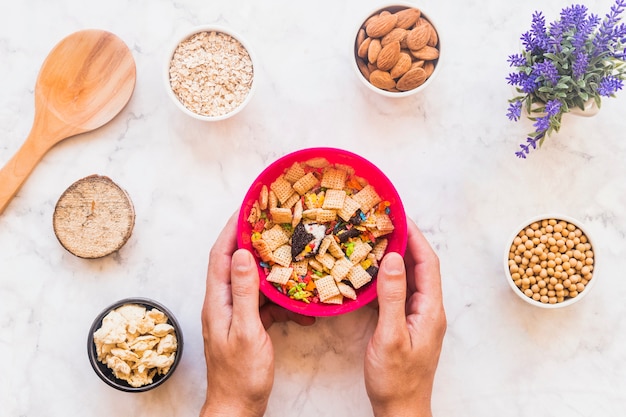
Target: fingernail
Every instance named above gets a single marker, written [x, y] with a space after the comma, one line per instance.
[242, 261]
[393, 264]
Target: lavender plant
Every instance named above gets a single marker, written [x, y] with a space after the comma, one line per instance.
[577, 58]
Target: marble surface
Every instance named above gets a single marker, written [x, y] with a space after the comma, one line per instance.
[449, 150]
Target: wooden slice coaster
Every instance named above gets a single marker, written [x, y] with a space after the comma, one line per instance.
[94, 217]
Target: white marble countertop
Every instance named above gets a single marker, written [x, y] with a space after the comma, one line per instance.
[449, 150]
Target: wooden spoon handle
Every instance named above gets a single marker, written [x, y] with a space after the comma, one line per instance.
[16, 171]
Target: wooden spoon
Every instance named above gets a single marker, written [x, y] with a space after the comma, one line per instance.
[85, 81]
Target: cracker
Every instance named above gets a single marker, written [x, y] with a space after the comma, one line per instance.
[281, 215]
[275, 237]
[346, 290]
[280, 275]
[358, 276]
[295, 172]
[272, 201]
[334, 178]
[263, 197]
[282, 188]
[305, 183]
[334, 199]
[326, 216]
[316, 265]
[324, 245]
[326, 288]
[282, 255]
[263, 249]
[350, 206]
[326, 259]
[379, 249]
[334, 248]
[360, 252]
[337, 299]
[367, 198]
[341, 268]
[310, 214]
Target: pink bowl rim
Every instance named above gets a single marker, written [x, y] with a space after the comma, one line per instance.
[384, 187]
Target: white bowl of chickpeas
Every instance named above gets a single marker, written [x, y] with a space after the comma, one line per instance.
[550, 261]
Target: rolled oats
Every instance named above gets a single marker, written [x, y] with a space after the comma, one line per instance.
[211, 73]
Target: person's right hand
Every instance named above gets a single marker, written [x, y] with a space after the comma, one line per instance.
[403, 353]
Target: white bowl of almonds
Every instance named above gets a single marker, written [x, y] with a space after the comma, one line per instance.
[397, 50]
[550, 261]
[210, 73]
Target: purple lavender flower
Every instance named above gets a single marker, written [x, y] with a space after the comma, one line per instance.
[531, 142]
[609, 29]
[553, 107]
[609, 85]
[515, 110]
[542, 124]
[579, 67]
[517, 60]
[528, 83]
[548, 71]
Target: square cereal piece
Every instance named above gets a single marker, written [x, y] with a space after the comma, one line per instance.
[319, 162]
[297, 214]
[327, 260]
[327, 288]
[334, 248]
[349, 170]
[379, 249]
[326, 216]
[295, 172]
[367, 198]
[384, 223]
[337, 299]
[334, 199]
[316, 265]
[275, 237]
[281, 215]
[282, 188]
[263, 249]
[358, 276]
[305, 183]
[360, 252]
[341, 268]
[334, 178]
[301, 268]
[282, 255]
[324, 245]
[280, 275]
[272, 201]
[346, 290]
[291, 201]
[310, 214]
[350, 206]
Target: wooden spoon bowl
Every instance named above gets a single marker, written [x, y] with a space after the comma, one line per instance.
[85, 81]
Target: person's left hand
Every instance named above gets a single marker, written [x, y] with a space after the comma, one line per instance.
[238, 351]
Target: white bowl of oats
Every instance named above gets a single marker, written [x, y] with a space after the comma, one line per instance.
[210, 73]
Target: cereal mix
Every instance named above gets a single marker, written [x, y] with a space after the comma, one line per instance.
[320, 231]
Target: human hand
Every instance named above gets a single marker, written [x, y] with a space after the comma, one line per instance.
[402, 355]
[238, 351]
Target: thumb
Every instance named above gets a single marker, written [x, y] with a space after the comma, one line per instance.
[391, 287]
[244, 289]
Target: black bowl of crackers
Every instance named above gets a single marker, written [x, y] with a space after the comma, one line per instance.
[135, 344]
[319, 221]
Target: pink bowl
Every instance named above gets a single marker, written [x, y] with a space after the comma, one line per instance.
[363, 168]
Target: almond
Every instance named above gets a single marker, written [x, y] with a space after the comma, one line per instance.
[380, 26]
[363, 68]
[427, 53]
[373, 50]
[360, 37]
[382, 80]
[429, 67]
[412, 79]
[388, 56]
[363, 48]
[418, 64]
[418, 37]
[433, 40]
[402, 66]
[396, 34]
[407, 17]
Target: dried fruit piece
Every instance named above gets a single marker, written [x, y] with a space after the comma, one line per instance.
[382, 80]
[388, 56]
[412, 79]
[380, 26]
[407, 17]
